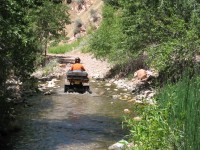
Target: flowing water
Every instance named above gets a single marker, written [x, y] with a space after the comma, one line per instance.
[71, 121]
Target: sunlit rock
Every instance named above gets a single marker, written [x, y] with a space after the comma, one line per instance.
[115, 96]
[140, 74]
[48, 93]
[50, 83]
[131, 100]
[130, 146]
[137, 118]
[92, 81]
[118, 146]
[116, 90]
[62, 65]
[125, 97]
[112, 81]
[108, 84]
[41, 89]
[125, 90]
[138, 102]
[151, 95]
[127, 111]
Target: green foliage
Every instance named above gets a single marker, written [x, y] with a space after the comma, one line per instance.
[183, 102]
[50, 67]
[113, 3]
[173, 123]
[104, 42]
[78, 23]
[48, 21]
[77, 26]
[153, 131]
[17, 43]
[18, 50]
[61, 49]
[94, 15]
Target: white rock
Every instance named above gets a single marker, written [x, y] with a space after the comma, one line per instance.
[137, 118]
[139, 102]
[50, 84]
[125, 90]
[127, 111]
[115, 96]
[151, 95]
[118, 146]
[108, 84]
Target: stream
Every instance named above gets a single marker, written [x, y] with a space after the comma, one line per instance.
[71, 121]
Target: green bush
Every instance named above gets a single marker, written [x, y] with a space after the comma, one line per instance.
[153, 131]
[106, 42]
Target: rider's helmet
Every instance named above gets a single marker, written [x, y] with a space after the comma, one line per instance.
[77, 60]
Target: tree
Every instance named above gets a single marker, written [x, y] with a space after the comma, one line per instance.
[48, 22]
[18, 45]
[24, 27]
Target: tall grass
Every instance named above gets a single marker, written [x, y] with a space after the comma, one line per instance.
[61, 49]
[183, 100]
[174, 122]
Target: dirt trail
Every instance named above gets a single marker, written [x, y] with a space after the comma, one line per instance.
[94, 67]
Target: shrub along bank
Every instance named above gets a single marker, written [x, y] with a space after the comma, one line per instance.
[174, 122]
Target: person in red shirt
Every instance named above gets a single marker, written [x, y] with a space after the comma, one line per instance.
[77, 65]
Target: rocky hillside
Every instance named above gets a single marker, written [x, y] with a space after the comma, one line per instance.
[84, 15]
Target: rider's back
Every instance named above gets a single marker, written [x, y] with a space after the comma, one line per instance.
[77, 66]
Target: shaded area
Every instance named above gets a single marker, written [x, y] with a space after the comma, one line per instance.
[130, 66]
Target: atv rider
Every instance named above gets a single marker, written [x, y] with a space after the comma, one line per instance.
[77, 65]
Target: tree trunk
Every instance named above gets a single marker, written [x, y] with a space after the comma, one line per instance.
[45, 48]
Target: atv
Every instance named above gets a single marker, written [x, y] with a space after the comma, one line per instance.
[77, 81]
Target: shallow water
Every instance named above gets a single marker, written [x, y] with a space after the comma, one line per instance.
[71, 121]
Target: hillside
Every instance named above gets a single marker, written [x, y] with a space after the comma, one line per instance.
[83, 15]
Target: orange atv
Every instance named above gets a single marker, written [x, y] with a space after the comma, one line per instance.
[77, 81]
